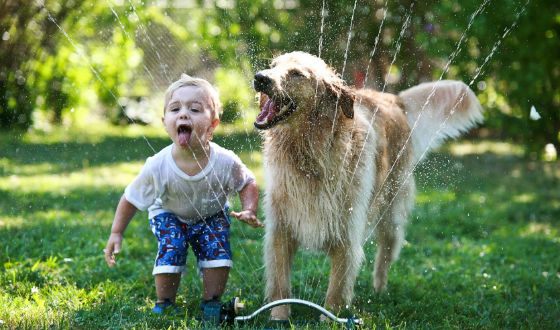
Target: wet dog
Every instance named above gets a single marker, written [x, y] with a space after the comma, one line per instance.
[338, 166]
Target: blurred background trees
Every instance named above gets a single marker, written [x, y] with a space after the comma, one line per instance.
[62, 61]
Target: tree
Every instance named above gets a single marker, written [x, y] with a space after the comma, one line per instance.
[28, 34]
[508, 55]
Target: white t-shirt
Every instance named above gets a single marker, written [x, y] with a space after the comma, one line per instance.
[162, 187]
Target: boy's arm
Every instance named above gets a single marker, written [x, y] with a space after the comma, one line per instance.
[124, 213]
[249, 197]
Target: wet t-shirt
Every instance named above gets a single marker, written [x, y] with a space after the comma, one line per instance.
[162, 186]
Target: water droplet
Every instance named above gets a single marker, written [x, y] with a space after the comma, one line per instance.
[534, 115]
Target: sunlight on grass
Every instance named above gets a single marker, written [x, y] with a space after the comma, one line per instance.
[541, 229]
[524, 198]
[11, 221]
[11, 167]
[45, 307]
[89, 178]
[481, 147]
[440, 196]
[92, 133]
[54, 215]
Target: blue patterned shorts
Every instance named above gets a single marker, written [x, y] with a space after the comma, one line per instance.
[209, 239]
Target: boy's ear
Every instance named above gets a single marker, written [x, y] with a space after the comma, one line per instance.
[215, 123]
[213, 126]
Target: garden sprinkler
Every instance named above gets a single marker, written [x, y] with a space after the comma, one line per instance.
[228, 313]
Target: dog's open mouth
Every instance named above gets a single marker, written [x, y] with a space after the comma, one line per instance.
[184, 135]
[273, 111]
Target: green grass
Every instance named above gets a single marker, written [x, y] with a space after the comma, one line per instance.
[482, 251]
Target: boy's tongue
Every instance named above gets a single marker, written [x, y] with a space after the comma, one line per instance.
[184, 137]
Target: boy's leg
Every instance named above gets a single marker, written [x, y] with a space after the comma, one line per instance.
[171, 257]
[167, 286]
[210, 243]
[214, 282]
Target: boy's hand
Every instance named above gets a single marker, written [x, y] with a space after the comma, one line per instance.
[249, 217]
[112, 248]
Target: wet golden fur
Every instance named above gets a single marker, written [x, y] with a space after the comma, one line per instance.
[337, 170]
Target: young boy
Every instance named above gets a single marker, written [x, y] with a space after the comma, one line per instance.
[185, 188]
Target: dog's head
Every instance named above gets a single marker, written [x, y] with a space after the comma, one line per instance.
[299, 82]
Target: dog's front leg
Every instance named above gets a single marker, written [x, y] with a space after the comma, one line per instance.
[280, 249]
[345, 263]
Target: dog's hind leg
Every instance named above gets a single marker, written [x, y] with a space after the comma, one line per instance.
[389, 242]
[279, 252]
[345, 264]
[390, 235]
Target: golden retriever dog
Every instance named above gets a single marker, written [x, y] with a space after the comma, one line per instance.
[338, 164]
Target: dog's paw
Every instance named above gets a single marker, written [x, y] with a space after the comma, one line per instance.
[380, 284]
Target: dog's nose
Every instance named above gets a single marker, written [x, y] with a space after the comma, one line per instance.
[261, 83]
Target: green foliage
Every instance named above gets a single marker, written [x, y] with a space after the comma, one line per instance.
[116, 74]
[481, 252]
[71, 53]
[236, 96]
[27, 35]
[16, 101]
[56, 81]
[501, 48]
[517, 41]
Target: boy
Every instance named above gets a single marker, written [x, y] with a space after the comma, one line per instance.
[185, 188]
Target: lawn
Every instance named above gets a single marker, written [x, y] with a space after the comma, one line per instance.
[482, 251]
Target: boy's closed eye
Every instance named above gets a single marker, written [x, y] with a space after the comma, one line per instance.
[174, 107]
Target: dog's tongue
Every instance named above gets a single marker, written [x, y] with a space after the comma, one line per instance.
[269, 109]
[184, 137]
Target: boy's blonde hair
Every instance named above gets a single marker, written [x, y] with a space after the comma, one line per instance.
[187, 80]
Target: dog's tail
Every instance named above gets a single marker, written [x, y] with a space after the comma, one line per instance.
[439, 110]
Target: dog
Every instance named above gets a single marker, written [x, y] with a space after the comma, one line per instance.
[338, 164]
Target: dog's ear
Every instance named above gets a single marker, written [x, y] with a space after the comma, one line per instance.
[343, 97]
[346, 102]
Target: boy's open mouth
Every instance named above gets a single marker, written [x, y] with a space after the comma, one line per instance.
[184, 134]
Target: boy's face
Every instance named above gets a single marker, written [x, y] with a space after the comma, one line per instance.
[188, 118]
